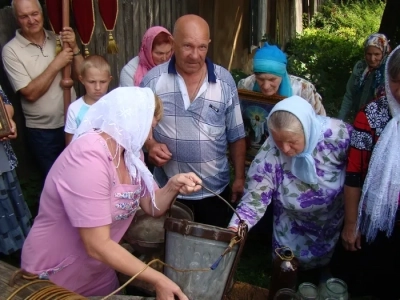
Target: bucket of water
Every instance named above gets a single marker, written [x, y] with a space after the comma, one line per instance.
[208, 254]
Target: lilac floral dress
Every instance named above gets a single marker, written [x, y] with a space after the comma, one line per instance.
[307, 218]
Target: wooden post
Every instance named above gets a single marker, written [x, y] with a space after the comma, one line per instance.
[271, 20]
[66, 82]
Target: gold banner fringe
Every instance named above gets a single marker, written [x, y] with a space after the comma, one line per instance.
[58, 45]
[112, 47]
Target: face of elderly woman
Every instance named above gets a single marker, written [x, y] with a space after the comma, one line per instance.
[373, 56]
[289, 143]
[269, 84]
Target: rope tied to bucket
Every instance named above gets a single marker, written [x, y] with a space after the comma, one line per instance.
[55, 292]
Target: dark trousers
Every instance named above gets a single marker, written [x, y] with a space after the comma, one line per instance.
[46, 145]
[372, 271]
[211, 211]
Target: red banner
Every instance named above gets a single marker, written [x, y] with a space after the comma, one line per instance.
[54, 12]
[83, 11]
[109, 13]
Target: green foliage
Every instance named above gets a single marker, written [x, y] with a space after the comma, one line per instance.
[326, 51]
[238, 74]
[363, 17]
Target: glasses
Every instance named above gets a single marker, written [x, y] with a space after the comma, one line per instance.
[286, 294]
[308, 291]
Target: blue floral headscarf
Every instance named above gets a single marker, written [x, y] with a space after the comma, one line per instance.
[270, 59]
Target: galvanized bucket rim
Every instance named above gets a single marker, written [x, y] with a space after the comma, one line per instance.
[189, 228]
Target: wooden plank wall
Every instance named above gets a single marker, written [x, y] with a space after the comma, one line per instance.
[135, 17]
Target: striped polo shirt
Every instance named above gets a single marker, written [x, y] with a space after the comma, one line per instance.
[197, 133]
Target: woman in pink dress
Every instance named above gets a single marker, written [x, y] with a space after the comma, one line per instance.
[91, 195]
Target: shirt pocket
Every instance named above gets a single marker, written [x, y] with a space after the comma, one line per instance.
[211, 119]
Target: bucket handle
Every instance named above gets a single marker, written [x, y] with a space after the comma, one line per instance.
[230, 206]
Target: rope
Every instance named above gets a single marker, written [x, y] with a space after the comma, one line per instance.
[55, 292]
[48, 292]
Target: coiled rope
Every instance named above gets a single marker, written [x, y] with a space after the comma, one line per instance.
[54, 292]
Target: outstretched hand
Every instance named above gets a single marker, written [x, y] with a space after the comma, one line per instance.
[168, 290]
[186, 183]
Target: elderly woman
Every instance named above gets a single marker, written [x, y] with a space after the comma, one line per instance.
[91, 195]
[156, 48]
[368, 76]
[300, 169]
[373, 176]
[271, 78]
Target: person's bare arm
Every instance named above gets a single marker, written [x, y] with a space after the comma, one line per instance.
[41, 84]
[351, 240]
[68, 138]
[237, 151]
[100, 246]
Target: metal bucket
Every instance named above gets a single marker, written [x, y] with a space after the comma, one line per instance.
[146, 233]
[189, 246]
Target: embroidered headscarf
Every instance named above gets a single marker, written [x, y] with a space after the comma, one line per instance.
[303, 164]
[125, 114]
[146, 62]
[381, 191]
[381, 42]
[270, 59]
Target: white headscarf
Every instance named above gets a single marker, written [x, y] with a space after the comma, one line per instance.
[125, 114]
[380, 193]
[303, 164]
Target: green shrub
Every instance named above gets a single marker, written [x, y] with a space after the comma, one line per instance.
[326, 51]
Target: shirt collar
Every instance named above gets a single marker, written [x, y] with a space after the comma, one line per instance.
[210, 69]
[23, 41]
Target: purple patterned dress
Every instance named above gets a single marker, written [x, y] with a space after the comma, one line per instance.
[307, 218]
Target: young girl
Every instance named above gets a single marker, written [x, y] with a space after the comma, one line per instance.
[95, 75]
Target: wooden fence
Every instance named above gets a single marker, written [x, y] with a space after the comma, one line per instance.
[232, 24]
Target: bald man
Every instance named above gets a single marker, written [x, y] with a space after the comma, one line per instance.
[34, 71]
[202, 118]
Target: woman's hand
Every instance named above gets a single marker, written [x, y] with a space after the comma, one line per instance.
[13, 134]
[350, 239]
[166, 289]
[185, 183]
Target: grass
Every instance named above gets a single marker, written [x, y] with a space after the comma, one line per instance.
[255, 261]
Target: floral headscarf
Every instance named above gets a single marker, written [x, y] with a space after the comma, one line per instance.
[381, 42]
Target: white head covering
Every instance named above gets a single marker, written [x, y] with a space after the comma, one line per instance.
[380, 193]
[125, 114]
[303, 164]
